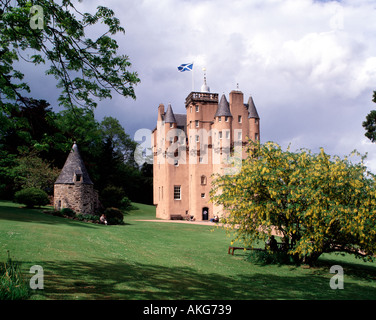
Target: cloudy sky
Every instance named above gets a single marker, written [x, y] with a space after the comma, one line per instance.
[309, 65]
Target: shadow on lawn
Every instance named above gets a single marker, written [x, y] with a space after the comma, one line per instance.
[120, 280]
[36, 215]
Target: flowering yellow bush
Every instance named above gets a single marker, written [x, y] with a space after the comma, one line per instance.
[317, 202]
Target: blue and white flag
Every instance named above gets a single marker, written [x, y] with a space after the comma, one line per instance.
[185, 67]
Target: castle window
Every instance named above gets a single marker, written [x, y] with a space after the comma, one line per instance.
[202, 195]
[256, 136]
[171, 125]
[226, 119]
[176, 163]
[196, 123]
[239, 135]
[240, 119]
[219, 119]
[203, 180]
[220, 134]
[227, 134]
[197, 138]
[197, 108]
[256, 121]
[177, 195]
[191, 109]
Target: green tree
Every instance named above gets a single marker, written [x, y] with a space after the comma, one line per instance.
[34, 172]
[114, 133]
[8, 162]
[32, 125]
[86, 69]
[317, 203]
[370, 123]
[81, 126]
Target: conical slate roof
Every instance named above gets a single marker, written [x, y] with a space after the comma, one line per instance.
[169, 116]
[252, 112]
[223, 108]
[73, 166]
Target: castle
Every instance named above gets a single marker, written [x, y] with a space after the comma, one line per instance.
[73, 188]
[189, 148]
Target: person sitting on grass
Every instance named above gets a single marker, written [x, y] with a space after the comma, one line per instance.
[215, 219]
[103, 219]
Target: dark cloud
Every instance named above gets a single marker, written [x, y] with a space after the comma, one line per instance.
[309, 65]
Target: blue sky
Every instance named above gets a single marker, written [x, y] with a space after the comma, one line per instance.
[309, 65]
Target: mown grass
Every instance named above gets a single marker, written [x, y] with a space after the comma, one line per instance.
[156, 260]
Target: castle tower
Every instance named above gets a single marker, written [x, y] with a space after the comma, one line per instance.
[200, 108]
[73, 188]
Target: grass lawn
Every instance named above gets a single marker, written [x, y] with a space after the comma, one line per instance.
[156, 260]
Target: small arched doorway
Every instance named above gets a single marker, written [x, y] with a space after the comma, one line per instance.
[205, 213]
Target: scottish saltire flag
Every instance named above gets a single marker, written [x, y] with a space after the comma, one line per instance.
[185, 67]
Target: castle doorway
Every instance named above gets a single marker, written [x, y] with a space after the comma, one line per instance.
[205, 213]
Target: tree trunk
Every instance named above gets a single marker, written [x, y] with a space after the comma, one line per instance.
[312, 258]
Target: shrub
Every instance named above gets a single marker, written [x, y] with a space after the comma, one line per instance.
[126, 204]
[31, 197]
[57, 213]
[68, 212]
[112, 196]
[87, 217]
[114, 216]
[265, 257]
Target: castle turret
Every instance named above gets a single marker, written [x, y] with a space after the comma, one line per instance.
[223, 109]
[169, 116]
[223, 123]
[253, 121]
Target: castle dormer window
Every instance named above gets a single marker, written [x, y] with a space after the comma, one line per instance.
[197, 109]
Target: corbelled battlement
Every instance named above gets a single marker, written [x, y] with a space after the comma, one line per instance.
[201, 97]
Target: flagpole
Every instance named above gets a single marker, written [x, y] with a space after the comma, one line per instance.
[193, 85]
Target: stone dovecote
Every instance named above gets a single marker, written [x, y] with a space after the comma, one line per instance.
[73, 188]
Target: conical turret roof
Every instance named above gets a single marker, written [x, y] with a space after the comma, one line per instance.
[169, 116]
[223, 108]
[252, 111]
[73, 166]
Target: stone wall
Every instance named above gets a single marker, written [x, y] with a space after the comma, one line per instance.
[81, 198]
